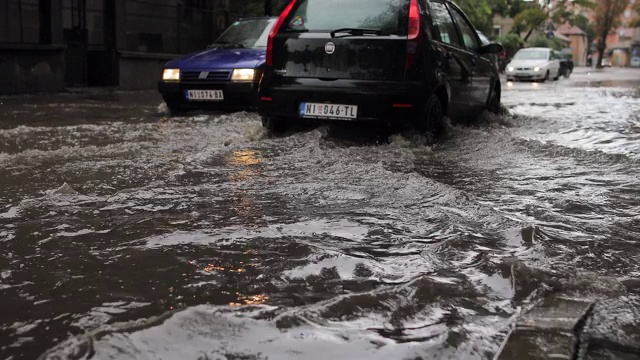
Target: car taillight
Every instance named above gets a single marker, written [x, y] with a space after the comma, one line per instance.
[275, 29]
[412, 33]
[414, 20]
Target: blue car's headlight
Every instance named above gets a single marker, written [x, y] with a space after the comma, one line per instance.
[171, 75]
[243, 75]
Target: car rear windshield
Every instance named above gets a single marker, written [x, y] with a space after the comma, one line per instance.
[532, 55]
[247, 33]
[389, 16]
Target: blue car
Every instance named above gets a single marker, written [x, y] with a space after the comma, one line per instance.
[225, 75]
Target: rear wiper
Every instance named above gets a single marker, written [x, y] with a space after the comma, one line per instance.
[358, 32]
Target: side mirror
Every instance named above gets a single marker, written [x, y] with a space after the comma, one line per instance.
[493, 48]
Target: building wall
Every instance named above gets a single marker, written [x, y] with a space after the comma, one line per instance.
[31, 50]
[27, 69]
[502, 25]
[100, 42]
[579, 48]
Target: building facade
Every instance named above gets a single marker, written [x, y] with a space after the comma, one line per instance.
[47, 45]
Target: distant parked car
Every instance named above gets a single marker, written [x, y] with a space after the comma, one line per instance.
[534, 64]
[566, 65]
[606, 62]
[224, 75]
[395, 62]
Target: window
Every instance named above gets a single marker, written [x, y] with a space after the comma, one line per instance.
[444, 27]
[247, 33]
[532, 54]
[469, 36]
[391, 16]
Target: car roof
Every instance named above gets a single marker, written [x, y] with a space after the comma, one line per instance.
[537, 48]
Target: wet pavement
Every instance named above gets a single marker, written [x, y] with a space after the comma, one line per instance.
[128, 233]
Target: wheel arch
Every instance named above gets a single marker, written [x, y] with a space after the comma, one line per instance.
[442, 92]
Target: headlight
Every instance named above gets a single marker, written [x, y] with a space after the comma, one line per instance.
[243, 75]
[171, 75]
[510, 68]
[537, 68]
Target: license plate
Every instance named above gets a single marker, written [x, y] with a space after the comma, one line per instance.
[204, 95]
[328, 111]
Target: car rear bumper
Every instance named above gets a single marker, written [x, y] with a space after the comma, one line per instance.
[236, 94]
[391, 102]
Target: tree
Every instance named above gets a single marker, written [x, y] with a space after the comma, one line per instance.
[511, 43]
[529, 20]
[478, 12]
[607, 18]
[636, 20]
[543, 41]
[584, 24]
[532, 16]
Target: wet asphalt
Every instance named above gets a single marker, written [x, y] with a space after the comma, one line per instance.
[129, 233]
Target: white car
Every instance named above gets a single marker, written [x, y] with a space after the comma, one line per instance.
[534, 64]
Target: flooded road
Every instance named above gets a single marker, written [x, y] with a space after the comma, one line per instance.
[130, 234]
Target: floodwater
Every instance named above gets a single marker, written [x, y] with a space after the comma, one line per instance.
[126, 233]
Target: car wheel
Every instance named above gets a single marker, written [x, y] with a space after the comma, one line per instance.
[567, 73]
[432, 123]
[493, 103]
[275, 125]
[546, 76]
[174, 106]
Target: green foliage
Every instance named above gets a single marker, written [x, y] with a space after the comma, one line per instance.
[543, 41]
[509, 8]
[563, 11]
[530, 19]
[534, 17]
[636, 20]
[511, 42]
[479, 12]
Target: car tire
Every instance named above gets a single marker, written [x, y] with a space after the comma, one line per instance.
[275, 125]
[493, 103]
[567, 73]
[546, 77]
[174, 106]
[432, 120]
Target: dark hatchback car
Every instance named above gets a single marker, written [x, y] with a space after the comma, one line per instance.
[390, 61]
[225, 75]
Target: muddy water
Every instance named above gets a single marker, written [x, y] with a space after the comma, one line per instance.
[200, 237]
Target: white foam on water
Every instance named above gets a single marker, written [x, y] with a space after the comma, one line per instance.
[11, 213]
[339, 228]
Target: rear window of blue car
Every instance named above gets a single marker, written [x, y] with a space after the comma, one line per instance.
[390, 16]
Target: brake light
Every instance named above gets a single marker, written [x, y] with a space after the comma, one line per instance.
[275, 29]
[414, 20]
[412, 34]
